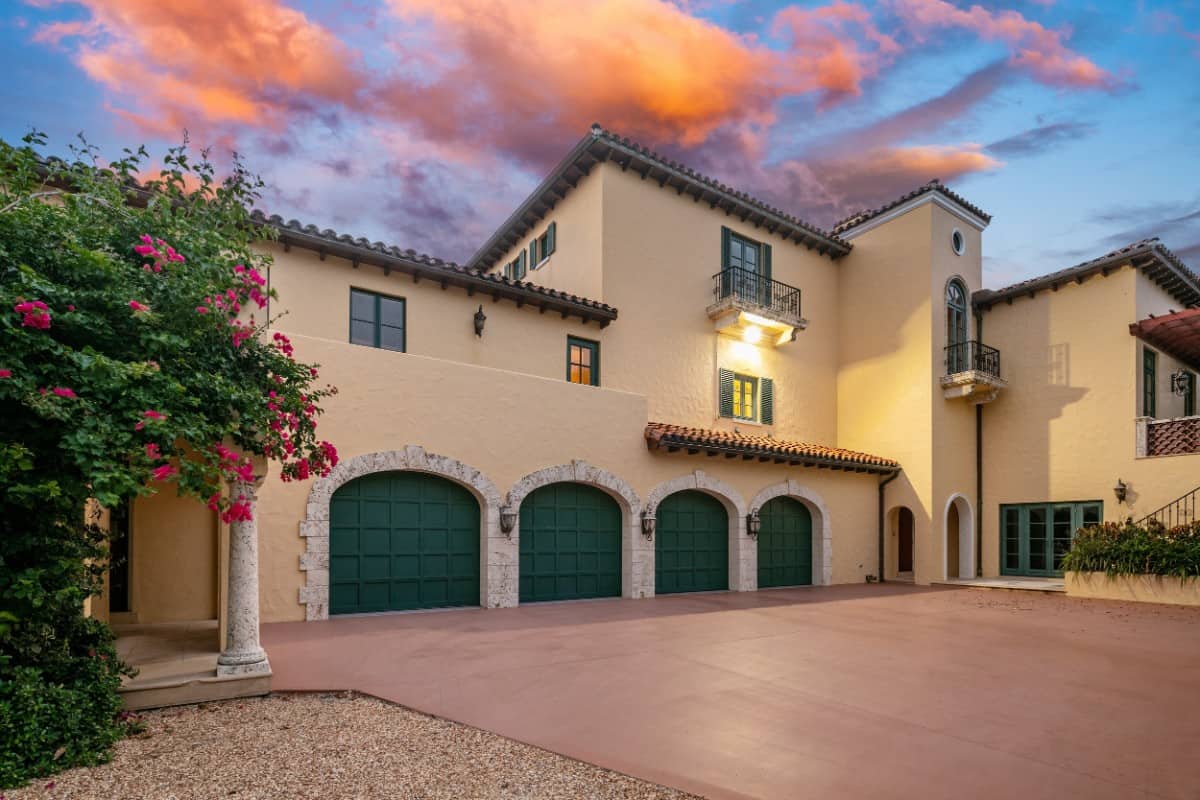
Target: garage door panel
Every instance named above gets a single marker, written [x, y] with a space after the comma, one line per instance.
[570, 544]
[394, 548]
[691, 551]
[784, 544]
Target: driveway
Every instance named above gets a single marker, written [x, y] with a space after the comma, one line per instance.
[845, 692]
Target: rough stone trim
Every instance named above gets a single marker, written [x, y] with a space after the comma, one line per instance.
[637, 554]
[314, 562]
[743, 551]
[822, 545]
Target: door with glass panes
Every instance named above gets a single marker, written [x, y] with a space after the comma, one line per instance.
[1034, 537]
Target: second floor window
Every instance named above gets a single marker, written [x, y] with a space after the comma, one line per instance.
[1189, 395]
[956, 328]
[583, 361]
[377, 320]
[541, 248]
[738, 252]
[1149, 378]
[515, 269]
[746, 397]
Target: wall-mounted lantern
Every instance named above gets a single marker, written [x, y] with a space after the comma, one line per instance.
[753, 523]
[480, 319]
[508, 519]
[1181, 382]
[1120, 491]
[648, 523]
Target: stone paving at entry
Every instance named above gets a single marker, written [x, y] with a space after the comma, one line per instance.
[844, 692]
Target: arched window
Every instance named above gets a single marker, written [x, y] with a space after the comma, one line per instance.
[957, 346]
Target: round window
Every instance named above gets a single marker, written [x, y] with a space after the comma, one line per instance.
[958, 242]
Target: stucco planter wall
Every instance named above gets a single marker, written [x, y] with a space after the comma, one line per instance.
[1136, 588]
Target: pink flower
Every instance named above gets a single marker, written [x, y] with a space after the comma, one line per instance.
[201, 310]
[238, 511]
[5, 373]
[70, 307]
[34, 314]
[163, 473]
[136, 306]
[153, 416]
[63, 391]
[152, 451]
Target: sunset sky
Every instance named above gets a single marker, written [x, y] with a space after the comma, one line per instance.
[423, 123]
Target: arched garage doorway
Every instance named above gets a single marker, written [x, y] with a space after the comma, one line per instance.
[785, 546]
[400, 541]
[691, 547]
[570, 543]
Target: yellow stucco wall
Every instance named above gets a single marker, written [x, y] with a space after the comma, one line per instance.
[1064, 430]
[173, 559]
[508, 425]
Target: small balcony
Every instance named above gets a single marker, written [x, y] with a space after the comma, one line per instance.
[755, 307]
[972, 372]
[1179, 436]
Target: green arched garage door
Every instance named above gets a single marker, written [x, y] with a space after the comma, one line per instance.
[402, 540]
[570, 544]
[784, 544]
[691, 547]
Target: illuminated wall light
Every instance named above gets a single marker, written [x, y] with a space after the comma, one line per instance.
[752, 334]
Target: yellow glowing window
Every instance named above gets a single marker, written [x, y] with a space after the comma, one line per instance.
[744, 406]
[583, 361]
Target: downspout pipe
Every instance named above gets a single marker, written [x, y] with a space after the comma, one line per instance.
[882, 486]
[979, 465]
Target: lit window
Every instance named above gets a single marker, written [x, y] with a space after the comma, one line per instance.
[744, 390]
[583, 361]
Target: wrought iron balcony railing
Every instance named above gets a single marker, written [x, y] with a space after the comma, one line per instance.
[776, 298]
[972, 356]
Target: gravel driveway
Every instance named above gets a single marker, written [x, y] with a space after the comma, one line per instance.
[330, 747]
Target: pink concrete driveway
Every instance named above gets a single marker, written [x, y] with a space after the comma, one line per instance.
[845, 692]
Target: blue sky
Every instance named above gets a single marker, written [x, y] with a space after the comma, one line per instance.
[424, 122]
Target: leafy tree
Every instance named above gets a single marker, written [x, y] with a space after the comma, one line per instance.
[134, 354]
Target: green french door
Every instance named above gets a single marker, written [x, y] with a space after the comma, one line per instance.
[1034, 537]
[400, 541]
[784, 544]
[570, 544]
[691, 544]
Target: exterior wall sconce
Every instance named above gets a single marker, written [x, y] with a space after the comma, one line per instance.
[648, 523]
[753, 522]
[1120, 490]
[1180, 382]
[480, 318]
[508, 519]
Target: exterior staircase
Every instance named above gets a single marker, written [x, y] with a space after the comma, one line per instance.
[1180, 511]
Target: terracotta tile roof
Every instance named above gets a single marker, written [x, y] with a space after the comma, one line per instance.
[1176, 334]
[601, 145]
[854, 220]
[421, 266]
[660, 435]
[1151, 255]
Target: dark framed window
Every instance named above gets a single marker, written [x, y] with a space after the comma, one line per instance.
[543, 246]
[516, 269]
[956, 328]
[377, 320]
[1034, 537]
[1149, 379]
[583, 361]
[1189, 394]
[744, 254]
[746, 397]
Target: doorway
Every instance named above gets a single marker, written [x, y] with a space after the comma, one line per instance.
[904, 548]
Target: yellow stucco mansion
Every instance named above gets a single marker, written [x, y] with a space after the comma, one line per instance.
[647, 382]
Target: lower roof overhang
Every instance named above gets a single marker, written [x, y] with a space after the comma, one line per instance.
[1177, 335]
[693, 441]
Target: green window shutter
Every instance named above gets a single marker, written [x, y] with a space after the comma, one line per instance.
[725, 387]
[521, 266]
[766, 261]
[533, 254]
[724, 248]
[551, 238]
[766, 400]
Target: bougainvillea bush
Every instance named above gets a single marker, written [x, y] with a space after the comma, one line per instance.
[134, 358]
[1136, 549]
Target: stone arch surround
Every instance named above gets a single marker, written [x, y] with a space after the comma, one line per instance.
[823, 543]
[743, 552]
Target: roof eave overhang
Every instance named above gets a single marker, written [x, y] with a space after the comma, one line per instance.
[933, 196]
[1156, 333]
[673, 445]
[497, 289]
[1152, 261]
[596, 148]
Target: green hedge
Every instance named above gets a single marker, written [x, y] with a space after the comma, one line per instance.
[1131, 549]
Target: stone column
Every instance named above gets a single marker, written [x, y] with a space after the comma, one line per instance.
[242, 653]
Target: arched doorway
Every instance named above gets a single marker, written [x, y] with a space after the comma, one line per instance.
[785, 546]
[905, 542]
[691, 547]
[570, 543]
[959, 543]
[402, 540]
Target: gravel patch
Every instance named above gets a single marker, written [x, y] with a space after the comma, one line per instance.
[330, 746]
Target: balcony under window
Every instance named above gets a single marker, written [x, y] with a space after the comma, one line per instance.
[973, 372]
[754, 307]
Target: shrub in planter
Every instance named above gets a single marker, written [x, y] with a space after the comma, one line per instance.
[1133, 549]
